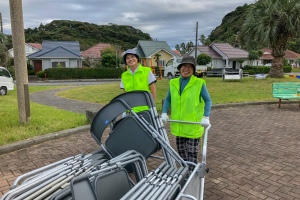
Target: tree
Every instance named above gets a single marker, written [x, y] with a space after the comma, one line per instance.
[189, 46]
[273, 23]
[183, 49]
[107, 56]
[108, 50]
[252, 56]
[177, 47]
[156, 58]
[203, 59]
[294, 45]
[202, 39]
[3, 49]
[108, 60]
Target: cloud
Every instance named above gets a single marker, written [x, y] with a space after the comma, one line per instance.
[165, 20]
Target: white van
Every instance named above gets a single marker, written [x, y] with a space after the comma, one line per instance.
[6, 81]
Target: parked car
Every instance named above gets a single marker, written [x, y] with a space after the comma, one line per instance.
[6, 81]
[172, 72]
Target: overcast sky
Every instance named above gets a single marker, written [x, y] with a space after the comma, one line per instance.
[173, 21]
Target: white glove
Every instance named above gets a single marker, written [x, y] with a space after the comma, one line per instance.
[205, 121]
[164, 117]
[123, 114]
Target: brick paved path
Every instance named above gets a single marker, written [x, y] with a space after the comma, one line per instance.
[253, 153]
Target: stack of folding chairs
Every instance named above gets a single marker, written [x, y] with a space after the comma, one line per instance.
[119, 169]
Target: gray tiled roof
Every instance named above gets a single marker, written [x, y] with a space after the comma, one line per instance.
[230, 51]
[58, 49]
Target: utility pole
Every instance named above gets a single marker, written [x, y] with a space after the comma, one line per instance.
[196, 41]
[1, 23]
[116, 56]
[18, 40]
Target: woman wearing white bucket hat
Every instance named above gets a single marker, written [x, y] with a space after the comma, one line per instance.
[137, 77]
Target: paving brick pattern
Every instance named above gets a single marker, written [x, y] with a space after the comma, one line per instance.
[253, 153]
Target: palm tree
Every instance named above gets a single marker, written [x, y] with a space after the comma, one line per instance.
[189, 46]
[273, 23]
[156, 58]
[183, 49]
[202, 39]
[177, 47]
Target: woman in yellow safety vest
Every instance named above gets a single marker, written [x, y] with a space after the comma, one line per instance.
[137, 77]
[189, 101]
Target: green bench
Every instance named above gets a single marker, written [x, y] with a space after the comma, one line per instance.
[286, 91]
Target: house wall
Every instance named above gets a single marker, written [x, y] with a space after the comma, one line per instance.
[215, 62]
[28, 49]
[150, 62]
[163, 58]
[69, 63]
[46, 64]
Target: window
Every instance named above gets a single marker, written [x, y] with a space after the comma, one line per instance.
[58, 64]
[4, 73]
[161, 63]
[169, 63]
[179, 60]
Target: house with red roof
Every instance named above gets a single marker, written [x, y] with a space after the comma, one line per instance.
[92, 55]
[267, 58]
[95, 51]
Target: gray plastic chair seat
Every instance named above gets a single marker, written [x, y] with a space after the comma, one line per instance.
[130, 135]
[112, 186]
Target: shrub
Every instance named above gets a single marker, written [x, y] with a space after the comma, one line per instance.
[264, 69]
[251, 72]
[203, 59]
[84, 73]
[41, 74]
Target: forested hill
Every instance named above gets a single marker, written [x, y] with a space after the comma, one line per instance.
[87, 34]
[230, 26]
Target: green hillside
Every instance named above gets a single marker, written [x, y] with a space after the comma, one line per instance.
[229, 30]
[87, 34]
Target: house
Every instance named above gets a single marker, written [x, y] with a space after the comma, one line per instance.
[177, 53]
[223, 55]
[95, 51]
[56, 54]
[290, 56]
[29, 49]
[148, 49]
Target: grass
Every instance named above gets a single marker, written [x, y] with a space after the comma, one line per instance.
[46, 119]
[247, 90]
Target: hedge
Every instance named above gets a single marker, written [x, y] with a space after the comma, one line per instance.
[264, 69]
[81, 73]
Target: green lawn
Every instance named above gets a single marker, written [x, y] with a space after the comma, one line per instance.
[247, 90]
[46, 119]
